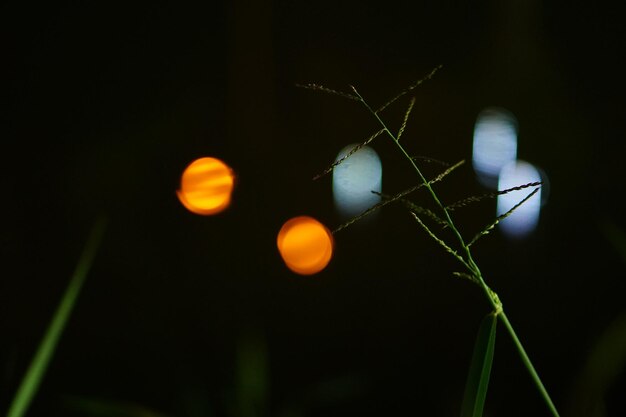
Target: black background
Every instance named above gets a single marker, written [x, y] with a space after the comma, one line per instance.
[107, 104]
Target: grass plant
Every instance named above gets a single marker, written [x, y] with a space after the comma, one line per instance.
[252, 373]
[460, 248]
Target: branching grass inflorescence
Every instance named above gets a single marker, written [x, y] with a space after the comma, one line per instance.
[476, 388]
[397, 197]
[501, 217]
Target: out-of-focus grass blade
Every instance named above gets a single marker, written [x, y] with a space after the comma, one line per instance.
[39, 364]
[480, 369]
[106, 408]
[604, 365]
[252, 383]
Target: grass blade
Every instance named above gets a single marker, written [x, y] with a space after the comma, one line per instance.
[37, 368]
[480, 369]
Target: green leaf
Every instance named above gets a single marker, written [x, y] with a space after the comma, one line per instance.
[37, 368]
[480, 369]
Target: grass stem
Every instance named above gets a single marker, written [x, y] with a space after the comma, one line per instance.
[528, 364]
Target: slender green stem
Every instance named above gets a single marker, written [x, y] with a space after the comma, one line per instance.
[497, 305]
[529, 366]
[491, 296]
[469, 263]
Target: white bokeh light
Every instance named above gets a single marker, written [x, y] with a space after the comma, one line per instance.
[495, 144]
[355, 179]
[526, 217]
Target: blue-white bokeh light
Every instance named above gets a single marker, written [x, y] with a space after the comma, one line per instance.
[355, 179]
[526, 217]
[495, 144]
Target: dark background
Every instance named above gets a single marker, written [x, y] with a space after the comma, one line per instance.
[107, 104]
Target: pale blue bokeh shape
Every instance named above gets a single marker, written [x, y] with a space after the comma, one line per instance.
[526, 217]
[495, 144]
[355, 179]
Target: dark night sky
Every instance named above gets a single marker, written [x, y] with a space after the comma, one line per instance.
[108, 104]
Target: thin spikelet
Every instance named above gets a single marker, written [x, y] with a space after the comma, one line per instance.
[501, 217]
[406, 118]
[408, 89]
[362, 215]
[397, 197]
[446, 172]
[430, 160]
[377, 206]
[349, 154]
[317, 87]
[414, 207]
[441, 242]
[422, 210]
[466, 276]
[477, 198]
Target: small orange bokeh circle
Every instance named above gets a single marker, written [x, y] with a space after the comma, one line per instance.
[206, 186]
[305, 245]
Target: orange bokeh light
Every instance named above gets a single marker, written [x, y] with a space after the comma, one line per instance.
[206, 186]
[305, 244]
